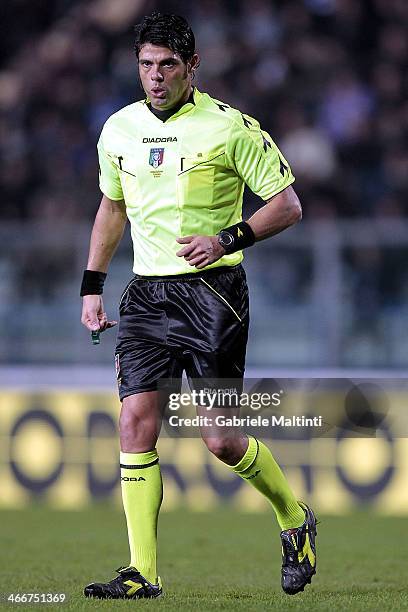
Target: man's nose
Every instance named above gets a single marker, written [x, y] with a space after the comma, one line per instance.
[156, 75]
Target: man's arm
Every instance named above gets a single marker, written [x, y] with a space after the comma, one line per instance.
[106, 234]
[280, 212]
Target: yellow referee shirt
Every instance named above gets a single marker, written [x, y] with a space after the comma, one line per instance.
[185, 176]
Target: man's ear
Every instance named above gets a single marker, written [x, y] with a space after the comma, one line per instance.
[194, 63]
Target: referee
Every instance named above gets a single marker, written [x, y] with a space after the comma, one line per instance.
[175, 165]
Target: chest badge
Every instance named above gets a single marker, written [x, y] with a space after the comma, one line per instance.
[156, 157]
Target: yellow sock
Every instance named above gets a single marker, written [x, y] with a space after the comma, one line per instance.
[142, 493]
[259, 468]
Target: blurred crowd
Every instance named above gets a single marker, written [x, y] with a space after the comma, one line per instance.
[326, 78]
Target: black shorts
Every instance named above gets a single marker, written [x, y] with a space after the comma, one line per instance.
[193, 322]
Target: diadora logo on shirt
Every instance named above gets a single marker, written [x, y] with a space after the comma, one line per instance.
[156, 157]
[169, 139]
[126, 479]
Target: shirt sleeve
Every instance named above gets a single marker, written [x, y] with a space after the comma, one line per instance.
[256, 159]
[109, 179]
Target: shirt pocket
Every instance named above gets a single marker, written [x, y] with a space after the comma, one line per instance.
[195, 181]
[197, 177]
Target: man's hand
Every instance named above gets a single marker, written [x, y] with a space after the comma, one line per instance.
[93, 315]
[200, 251]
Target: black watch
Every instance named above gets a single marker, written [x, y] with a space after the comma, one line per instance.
[227, 241]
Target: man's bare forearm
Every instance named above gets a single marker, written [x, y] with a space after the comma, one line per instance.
[279, 213]
[106, 234]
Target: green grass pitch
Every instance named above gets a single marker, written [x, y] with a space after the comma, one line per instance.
[223, 560]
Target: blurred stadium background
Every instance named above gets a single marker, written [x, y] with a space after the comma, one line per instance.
[328, 80]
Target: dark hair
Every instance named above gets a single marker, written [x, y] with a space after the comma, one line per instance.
[171, 31]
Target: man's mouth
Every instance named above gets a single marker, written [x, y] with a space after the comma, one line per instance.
[158, 92]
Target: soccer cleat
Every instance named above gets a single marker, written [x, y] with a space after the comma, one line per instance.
[299, 554]
[130, 584]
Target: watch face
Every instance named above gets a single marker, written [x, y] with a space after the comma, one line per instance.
[226, 239]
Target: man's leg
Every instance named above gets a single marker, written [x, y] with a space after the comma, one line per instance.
[141, 482]
[219, 354]
[142, 493]
[253, 461]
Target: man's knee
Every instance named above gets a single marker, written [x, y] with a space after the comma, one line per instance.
[139, 424]
[131, 420]
[222, 448]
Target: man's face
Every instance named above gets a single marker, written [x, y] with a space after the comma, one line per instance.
[165, 78]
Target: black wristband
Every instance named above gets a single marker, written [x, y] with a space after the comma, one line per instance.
[237, 237]
[92, 283]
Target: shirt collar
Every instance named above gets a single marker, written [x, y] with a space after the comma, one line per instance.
[172, 114]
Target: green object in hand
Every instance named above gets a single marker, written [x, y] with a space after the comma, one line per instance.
[95, 337]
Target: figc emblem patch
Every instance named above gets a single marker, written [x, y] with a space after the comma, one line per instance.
[156, 157]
